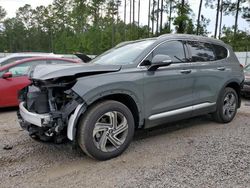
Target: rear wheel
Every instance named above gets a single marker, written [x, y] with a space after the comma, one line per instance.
[226, 106]
[106, 130]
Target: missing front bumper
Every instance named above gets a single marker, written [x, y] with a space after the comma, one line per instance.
[30, 120]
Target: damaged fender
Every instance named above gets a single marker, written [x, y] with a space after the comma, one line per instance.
[71, 129]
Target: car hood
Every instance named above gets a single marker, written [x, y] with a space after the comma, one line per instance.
[46, 72]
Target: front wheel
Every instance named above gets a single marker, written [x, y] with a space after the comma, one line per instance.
[106, 130]
[226, 106]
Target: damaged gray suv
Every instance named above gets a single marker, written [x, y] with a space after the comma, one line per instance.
[135, 85]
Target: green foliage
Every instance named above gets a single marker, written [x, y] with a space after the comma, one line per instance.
[2, 13]
[183, 22]
[239, 42]
[93, 26]
[203, 26]
[246, 13]
[67, 26]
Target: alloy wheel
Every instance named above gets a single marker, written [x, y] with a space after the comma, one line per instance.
[110, 131]
[229, 105]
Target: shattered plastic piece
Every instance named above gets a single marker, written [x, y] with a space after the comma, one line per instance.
[7, 147]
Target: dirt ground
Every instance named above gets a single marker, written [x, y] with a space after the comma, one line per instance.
[192, 153]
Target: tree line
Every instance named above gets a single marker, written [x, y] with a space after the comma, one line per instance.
[93, 26]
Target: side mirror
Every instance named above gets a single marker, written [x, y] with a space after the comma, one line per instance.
[160, 61]
[7, 75]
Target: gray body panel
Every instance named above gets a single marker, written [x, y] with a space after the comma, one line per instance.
[211, 77]
[127, 81]
[167, 89]
[163, 95]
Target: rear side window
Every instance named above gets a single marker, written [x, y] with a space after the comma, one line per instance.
[201, 52]
[220, 52]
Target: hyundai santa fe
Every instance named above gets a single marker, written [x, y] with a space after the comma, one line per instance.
[135, 85]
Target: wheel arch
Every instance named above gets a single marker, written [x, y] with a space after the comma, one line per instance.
[125, 98]
[236, 86]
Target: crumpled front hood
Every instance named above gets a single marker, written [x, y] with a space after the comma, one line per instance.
[45, 72]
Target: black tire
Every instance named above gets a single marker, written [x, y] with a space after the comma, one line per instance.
[85, 133]
[220, 115]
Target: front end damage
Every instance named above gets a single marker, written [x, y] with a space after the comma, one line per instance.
[48, 108]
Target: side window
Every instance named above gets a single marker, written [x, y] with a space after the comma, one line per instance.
[220, 52]
[174, 49]
[19, 70]
[22, 69]
[201, 51]
[1, 73]
[57, 62]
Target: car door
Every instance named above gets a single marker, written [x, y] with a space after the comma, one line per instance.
[168, 91]
[209, 73]
[10, 86]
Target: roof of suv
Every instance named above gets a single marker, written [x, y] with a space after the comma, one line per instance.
[174, 36]
[191, 37]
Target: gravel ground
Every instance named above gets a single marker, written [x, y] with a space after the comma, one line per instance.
[191, 153]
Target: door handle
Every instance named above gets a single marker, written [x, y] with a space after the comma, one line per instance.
[221, 68]
[186, 71]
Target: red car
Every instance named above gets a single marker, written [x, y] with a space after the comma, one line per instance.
[13, 77]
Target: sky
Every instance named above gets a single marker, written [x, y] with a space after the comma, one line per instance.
[12, 5]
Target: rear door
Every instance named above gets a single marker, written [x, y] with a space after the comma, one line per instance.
[210, 73]
[168, 91]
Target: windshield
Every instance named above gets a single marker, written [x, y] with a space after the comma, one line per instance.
[123, 55]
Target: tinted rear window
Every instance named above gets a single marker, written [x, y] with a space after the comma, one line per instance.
[220, 52]
[201, 51]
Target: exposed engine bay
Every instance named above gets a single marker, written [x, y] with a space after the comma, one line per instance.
[53, 98]
[49, 108]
